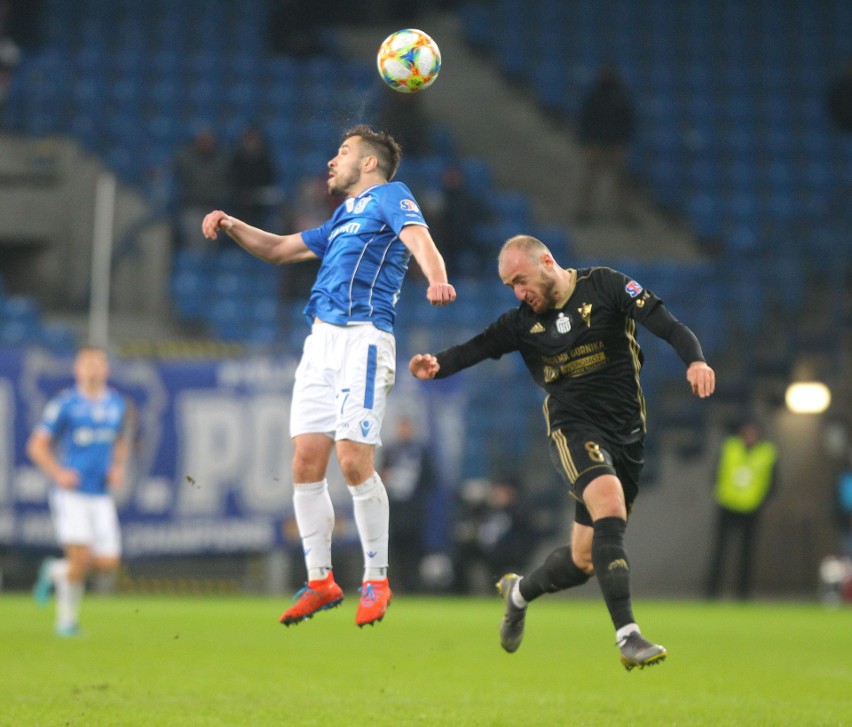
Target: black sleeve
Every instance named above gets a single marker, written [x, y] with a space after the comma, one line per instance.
[493, 342]
[663, 324]
[454, 359]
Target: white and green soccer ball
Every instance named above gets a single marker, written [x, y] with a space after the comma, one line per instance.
[409, 60]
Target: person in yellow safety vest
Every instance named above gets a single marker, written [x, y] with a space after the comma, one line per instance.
[746, 477]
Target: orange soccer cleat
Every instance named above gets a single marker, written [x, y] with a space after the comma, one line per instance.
[375, 598]
[315, 596]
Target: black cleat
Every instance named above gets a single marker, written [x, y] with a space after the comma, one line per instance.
[636, 650]
[512, 625]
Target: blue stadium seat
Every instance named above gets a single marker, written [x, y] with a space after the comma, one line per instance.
[511, 207]
[19, 333]
[477, 176]
[21, 309]
[266, 312]
[704, 214]
[57, 338]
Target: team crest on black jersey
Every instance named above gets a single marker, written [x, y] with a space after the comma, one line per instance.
[585, 312]
[563, 323]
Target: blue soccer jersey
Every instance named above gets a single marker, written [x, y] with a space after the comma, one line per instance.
[84, 431]
[363, 259]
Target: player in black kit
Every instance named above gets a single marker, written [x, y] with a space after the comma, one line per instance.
[576, 331]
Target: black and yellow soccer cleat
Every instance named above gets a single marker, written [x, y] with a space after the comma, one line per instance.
[512, 625]
[636, 650]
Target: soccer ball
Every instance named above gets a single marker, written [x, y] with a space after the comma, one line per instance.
[409, 60]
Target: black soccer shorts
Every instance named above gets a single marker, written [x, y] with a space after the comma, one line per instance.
[580, 454]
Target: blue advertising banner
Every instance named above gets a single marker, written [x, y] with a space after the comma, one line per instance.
[210, 469]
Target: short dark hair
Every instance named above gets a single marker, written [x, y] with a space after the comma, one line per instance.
[382, 144]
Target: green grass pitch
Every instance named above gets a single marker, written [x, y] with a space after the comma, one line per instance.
[145, 660]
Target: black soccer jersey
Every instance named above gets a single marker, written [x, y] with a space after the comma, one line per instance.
[585, 354]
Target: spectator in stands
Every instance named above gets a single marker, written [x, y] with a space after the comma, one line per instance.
[607, 126]
[843, 502]
[253, 178]
[410, 478]
[201, 174]
[459, 211]
[312, 206]
[10, 57]
[493, 531]
[746, 479]
[840, 100]
[294, 26]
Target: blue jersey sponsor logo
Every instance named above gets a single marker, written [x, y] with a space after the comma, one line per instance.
[350, 228]
[409, 205]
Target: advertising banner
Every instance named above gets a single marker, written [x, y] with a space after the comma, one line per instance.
[210, 469]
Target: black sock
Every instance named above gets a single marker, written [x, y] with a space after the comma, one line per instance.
[612, 569]
[558, 573]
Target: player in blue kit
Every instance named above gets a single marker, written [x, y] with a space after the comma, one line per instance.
[348, 365]
[80, 444]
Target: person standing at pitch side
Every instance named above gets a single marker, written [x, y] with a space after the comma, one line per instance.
[349, 359]
[576, 331]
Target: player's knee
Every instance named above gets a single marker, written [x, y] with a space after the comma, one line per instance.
[355, 472]
[308, 467]
[582, 560]
[105, 564]
[356, 463]
[562, 570]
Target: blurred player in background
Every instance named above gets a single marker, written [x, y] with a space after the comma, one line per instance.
[348, 364]
[576, 332]
[80, 444]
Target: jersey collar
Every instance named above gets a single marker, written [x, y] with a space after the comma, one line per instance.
[572, 284]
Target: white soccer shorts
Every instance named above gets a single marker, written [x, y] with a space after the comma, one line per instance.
[343, 381]
[91, 520]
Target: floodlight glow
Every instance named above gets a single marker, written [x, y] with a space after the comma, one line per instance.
[807, 397]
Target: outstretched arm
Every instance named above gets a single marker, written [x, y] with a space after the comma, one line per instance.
[277, 249]
[417, 239]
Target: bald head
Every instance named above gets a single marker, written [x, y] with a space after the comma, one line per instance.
[525, 245]
[527, 266]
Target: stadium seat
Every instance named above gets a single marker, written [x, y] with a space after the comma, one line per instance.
[477, 176]
[58, 339]
[511, 207]
[19, 309]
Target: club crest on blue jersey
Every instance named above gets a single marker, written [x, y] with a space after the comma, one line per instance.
[409, 205]
[633, 288]
[357, 206]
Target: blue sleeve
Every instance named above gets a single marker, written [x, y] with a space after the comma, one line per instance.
[317, 239]
[399, 207]
[53, 417]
